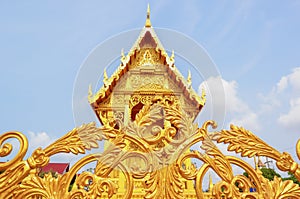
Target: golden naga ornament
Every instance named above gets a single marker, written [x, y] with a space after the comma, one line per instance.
[147, 119]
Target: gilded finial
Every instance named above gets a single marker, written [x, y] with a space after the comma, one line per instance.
[148, 22]
[203, 95]
[122, 55]
[90, 93]
[172, 56]
[171, 60]
[105, 75]
[105, 78]
[189, 78]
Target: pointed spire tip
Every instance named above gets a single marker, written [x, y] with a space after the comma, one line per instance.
[189, 78]
[148, 22]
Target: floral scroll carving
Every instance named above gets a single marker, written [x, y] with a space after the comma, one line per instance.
[149, 152]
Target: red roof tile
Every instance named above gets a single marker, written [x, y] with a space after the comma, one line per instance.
[60, 168]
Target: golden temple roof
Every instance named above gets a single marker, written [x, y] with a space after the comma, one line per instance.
[147, 39]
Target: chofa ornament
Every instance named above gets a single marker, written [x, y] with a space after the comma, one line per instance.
[148, 130]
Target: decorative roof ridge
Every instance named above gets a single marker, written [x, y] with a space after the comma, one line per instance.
[144, 30]
[116, 75]
[147, 28]
[107, 82]
[187, 84]
[126, 58]
[124, 61]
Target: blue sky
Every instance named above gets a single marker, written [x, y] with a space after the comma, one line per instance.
[255, 45]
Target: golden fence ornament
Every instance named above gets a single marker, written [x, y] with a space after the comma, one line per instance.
[150, 152]
[163, 173]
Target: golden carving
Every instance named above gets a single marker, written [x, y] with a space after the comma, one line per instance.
[146, 57]
[245, 142]
[147, 155]
[17, 170]
[160, 165]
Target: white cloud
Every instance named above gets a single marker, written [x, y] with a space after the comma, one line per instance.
[236, 111]
[233, 102]
[269, 102]
[288, 90]
[282, 84]
[66, 157]
[291, 119]
[292, 80]
[248, 120]
[282, 103]
[41, 139]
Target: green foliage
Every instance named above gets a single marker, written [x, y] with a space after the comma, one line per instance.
[269, 173]
[292, 178]
[72, 182]
[53, 173]
[70, 187]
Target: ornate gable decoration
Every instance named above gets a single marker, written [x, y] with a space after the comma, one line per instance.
[146, 63]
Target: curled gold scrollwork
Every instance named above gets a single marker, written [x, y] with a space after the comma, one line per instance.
[7, 148]
[18, 170]
[154, 148]
[47, 187]
[38, 159]
[95, 185]
[245, 142]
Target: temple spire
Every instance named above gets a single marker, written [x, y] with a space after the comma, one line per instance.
[148, 22]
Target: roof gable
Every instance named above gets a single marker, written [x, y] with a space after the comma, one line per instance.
[147, 53]
[148, 41]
